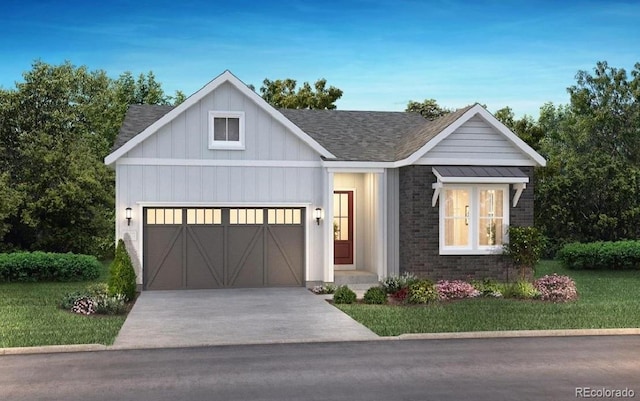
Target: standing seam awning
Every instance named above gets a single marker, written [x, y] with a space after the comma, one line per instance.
[479, 175]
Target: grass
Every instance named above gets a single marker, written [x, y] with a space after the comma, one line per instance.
[607, 299]
[30, 316]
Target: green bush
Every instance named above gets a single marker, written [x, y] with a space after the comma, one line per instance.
[47, 266]
[521, 290]
[122, 279]
[110, 304]
[616, 255]
[422, 292]
[68, 300]
[489, 287]
[344, 295]
[375, 295]
[393, 284]
[524, 248]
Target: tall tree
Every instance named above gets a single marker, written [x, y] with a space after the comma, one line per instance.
[284, 94]
[526, 127]
[429, 109]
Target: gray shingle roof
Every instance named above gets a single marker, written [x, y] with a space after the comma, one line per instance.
[138, 117]
[382, 136]
[356, 135]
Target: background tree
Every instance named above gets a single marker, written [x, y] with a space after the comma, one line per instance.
[429, 109]
[283, 94]
[56, 194]
[526, 127]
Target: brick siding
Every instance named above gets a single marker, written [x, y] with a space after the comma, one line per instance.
[419, 236]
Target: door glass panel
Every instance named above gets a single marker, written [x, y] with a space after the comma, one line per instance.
[341, 216]
[168, 216]
[151, 216]
[159, 216]
[259, 216]
[191, 216]
[296, 216]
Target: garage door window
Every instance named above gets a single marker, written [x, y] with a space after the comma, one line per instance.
[204, 216]
[284, 216]
[246, 216]
[164, 216]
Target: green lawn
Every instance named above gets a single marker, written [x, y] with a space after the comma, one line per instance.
[608, 299]
[30, 316]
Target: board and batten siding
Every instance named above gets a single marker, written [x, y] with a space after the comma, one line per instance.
[187, 136]
[476, 140]
[171, 177]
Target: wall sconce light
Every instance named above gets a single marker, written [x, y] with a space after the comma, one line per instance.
[317, 214]
[127, 214]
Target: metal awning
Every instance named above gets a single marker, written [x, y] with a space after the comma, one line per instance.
[479, 175]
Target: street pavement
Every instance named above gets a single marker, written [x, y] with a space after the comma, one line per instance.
[540, 368]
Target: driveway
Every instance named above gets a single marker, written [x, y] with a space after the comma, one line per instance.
[161, 319]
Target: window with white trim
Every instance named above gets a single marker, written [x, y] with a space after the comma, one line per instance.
[473, 218]
[226, 130]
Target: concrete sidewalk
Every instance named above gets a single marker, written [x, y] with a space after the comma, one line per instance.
[161, 319]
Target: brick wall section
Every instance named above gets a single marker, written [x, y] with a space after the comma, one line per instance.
[419, 232]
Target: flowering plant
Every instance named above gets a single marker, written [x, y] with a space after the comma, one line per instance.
[455, 289]
[556, 288]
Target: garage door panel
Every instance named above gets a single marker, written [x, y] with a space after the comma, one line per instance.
[245, 250]
[205, 257]
[285, 259]
[166, 260]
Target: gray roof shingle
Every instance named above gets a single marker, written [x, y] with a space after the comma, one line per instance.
[137, 119]
[382, 136]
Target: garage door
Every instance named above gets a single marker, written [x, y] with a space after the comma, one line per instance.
[198, 248]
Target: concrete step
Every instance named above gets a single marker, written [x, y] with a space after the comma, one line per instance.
[355, 277]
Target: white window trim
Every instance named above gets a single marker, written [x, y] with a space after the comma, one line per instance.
[474, 248]
[226, 145]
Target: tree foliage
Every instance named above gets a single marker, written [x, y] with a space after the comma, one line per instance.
[282, 93]
[526, 127]
[429, 109]
[55, 129]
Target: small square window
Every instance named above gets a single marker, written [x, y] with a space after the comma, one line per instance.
[226, 130]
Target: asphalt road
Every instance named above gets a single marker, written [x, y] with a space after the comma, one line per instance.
[482, 369]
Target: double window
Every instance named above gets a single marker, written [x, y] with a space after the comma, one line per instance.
[226, 130]
[473, 219]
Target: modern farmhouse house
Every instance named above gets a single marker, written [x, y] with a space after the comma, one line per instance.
[226, 191]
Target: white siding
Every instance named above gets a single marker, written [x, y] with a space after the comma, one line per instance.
[186, 137]
[477, 140]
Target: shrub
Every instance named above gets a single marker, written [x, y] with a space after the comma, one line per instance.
[422, 292]
[556, 288]
[455, 289]
[601, 255]
[375, 295]
[123, 277]
[48, 266]
[488, 288]
[70, 299]
[344, 295]
[521, 290]
[524, 248]
[401, 295]
[110, 304]
[393, 284]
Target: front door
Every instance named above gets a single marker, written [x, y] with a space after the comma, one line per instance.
[343, 227]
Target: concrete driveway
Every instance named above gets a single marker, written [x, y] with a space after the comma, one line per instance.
[161, 319]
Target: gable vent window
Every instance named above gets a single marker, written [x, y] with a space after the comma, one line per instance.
[226, 130]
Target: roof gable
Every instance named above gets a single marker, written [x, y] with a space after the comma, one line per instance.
[226, 76]
[454, 121]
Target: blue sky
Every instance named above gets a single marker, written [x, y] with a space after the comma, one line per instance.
[381, 53]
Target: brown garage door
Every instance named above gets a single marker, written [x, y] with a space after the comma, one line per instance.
[197, 248]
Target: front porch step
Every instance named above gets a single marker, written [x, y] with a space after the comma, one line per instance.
[355, 279]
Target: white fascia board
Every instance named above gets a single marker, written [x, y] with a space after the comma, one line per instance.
[357, 165]
[374, 170]
[142, 161]
[226, 76]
